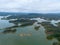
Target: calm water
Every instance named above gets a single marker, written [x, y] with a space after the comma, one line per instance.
[24, 35]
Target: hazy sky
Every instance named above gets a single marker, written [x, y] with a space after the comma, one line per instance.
[42, 6]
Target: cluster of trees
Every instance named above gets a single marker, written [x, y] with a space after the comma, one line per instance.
[52, 31]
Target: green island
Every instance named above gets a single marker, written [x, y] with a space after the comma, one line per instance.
[52, 31]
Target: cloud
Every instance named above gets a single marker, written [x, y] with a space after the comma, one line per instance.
[40, 6]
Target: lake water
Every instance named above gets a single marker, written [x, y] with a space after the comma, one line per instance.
[24, 35]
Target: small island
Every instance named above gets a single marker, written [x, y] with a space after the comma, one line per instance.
[52, 31]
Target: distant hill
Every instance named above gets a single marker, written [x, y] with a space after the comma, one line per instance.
[10, 13]
[31, 15]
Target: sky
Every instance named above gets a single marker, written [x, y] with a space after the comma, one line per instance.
[37, 6]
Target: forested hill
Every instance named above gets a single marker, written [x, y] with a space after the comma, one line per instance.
[30, 15]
